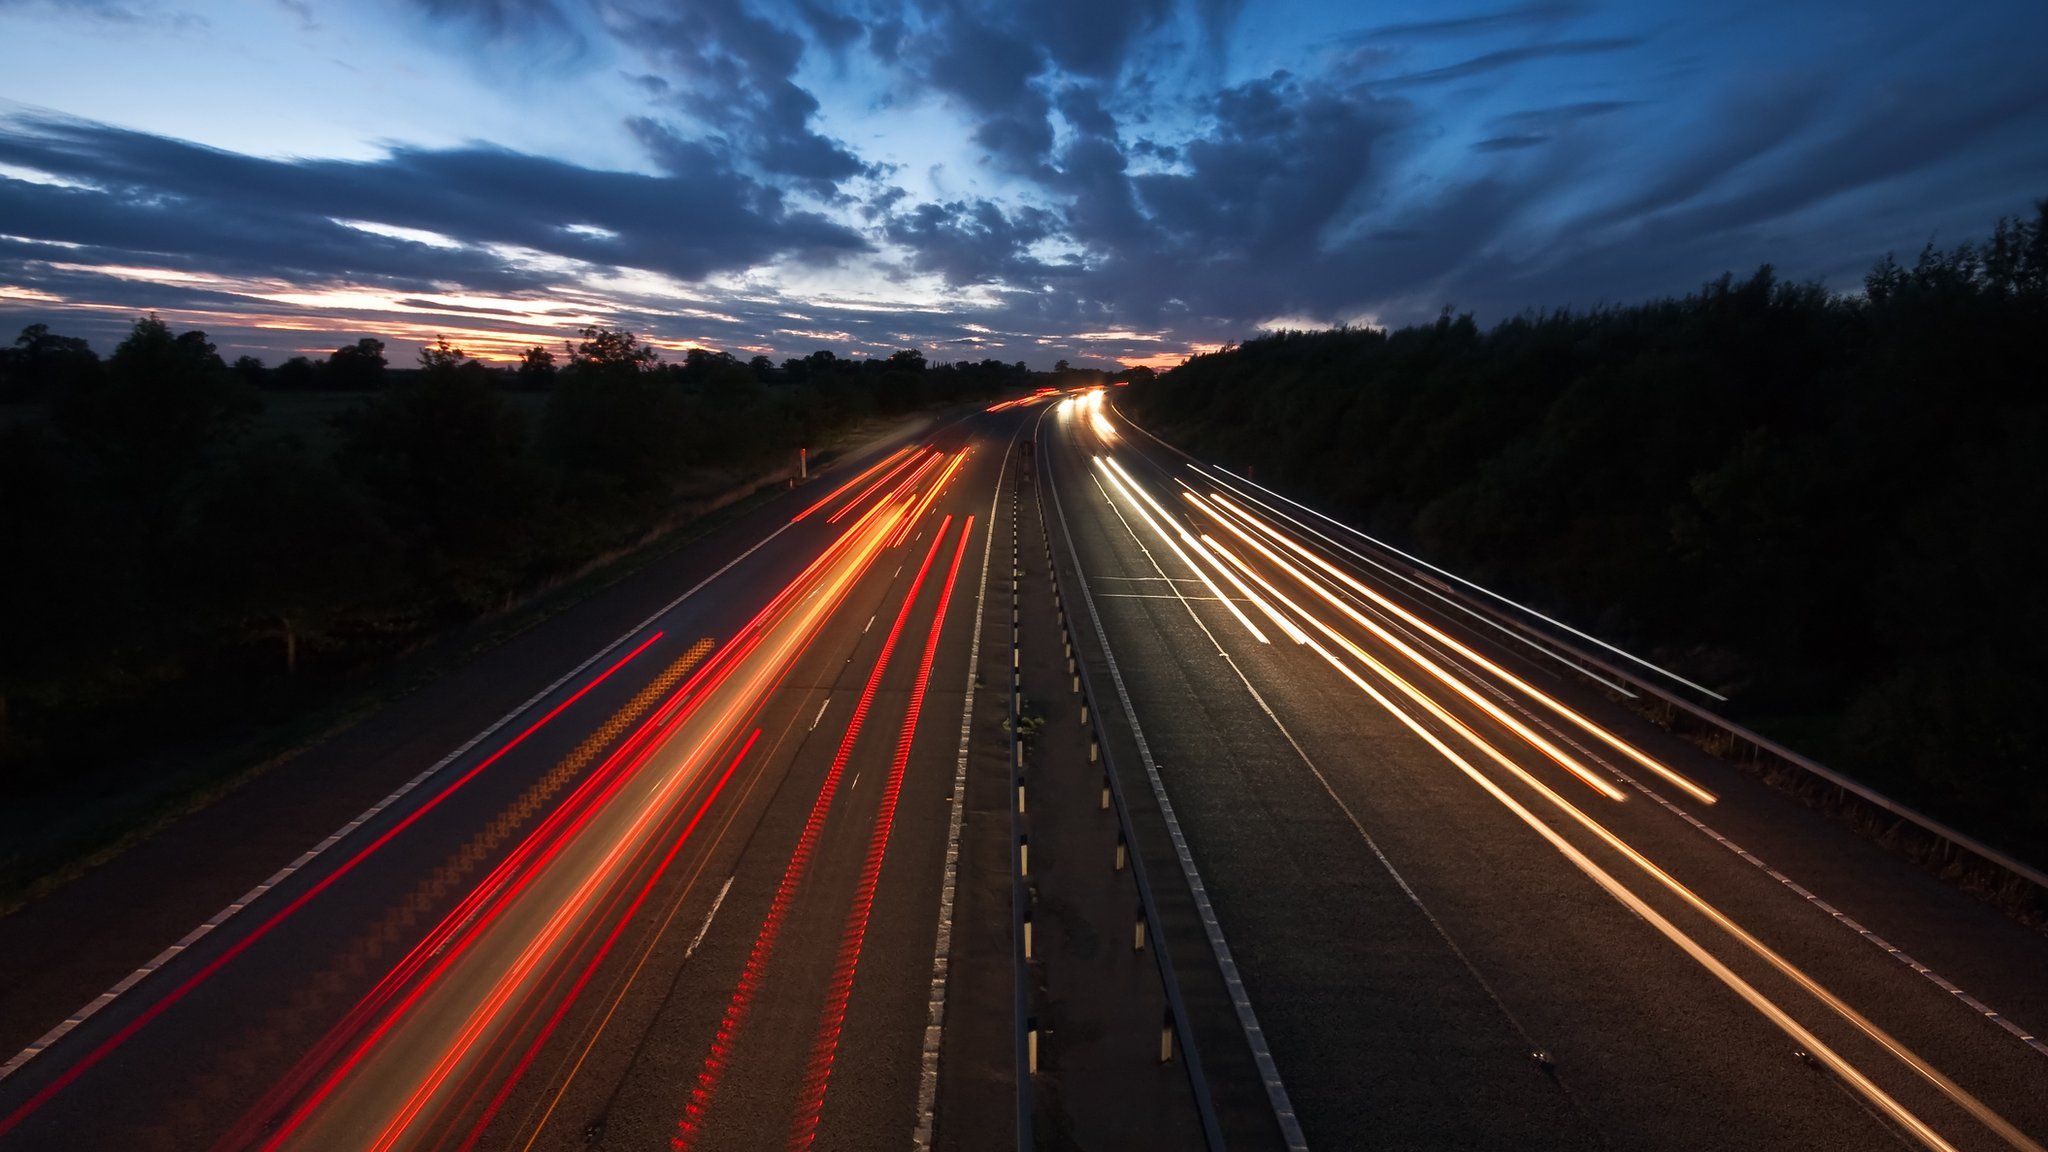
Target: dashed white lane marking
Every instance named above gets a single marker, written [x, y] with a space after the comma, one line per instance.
[942, 947]
[705, 927]
[221, 917]
[820, 715]
[870, 624]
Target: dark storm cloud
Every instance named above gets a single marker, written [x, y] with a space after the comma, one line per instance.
[1509, 57]
[1509, 143]
[976, 242]
[1536, 15]
[735, 71]
[150, 195]
[998, 60]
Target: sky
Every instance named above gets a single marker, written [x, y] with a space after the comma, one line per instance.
[1029, 180]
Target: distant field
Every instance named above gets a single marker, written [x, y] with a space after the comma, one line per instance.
[307, 415]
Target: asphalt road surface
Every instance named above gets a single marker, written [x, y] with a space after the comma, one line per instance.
[668, 870]
[1475, 904]
[686, 896]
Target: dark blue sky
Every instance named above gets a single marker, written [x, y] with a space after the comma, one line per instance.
[1028, 179]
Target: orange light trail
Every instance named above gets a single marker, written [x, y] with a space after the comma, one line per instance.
[883, 479]
[1563, 759]
[740, 1004]
[1437, 634]
[837, 492]
[832, 1018]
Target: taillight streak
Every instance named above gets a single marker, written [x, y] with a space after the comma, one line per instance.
[839, 491]
[832, 1019]
[715, 1060]
[143, 1019]
[533, 1049]
[883, 479]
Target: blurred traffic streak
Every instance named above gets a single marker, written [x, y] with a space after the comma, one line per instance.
[430, 999]
[407, 1069]
[1458, 702]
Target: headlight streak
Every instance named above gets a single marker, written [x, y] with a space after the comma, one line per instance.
[1495, 595]
[1557, 755]
[1197, 569]
[1510, 633]
[1563, 760]
[1720, 971]
[1763, 1004]
[1631, 751]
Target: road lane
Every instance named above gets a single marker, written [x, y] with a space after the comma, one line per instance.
[426, 1079]
[1627, 1073]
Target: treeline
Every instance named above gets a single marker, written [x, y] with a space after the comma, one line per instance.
[178, 565]
[1831, 507]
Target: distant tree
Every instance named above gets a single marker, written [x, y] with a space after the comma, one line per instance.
[763, 368]
[297, 374]
[164, 401]
[610, 350]
[357, 367]
[42, 364]
[251, 372]
[616, 428]
[441, 356]
[447, 461]
[536, 371]
[1060, 367]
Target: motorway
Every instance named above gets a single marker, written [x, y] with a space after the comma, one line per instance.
[1476, 904]
[685, 896]
[675, 870]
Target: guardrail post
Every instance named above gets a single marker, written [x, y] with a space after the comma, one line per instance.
[1166, 1039]
[1138, 929]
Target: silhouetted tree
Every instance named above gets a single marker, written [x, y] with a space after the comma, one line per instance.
[357, 367]
[251, 372]
[297, 374]
[536, 370]
[41, 364]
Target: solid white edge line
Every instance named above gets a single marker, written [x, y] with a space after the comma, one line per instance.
[1248, 1020]
[1377, 543]
[129, 981]
[942, 946]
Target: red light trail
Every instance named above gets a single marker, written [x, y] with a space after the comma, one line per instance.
[832, 1019]
[743, 993]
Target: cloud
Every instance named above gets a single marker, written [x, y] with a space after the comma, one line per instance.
[1509, 57]
[976, 242]
[150, 196]
[1510, 143]
[734, 71]
[1540, 14]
